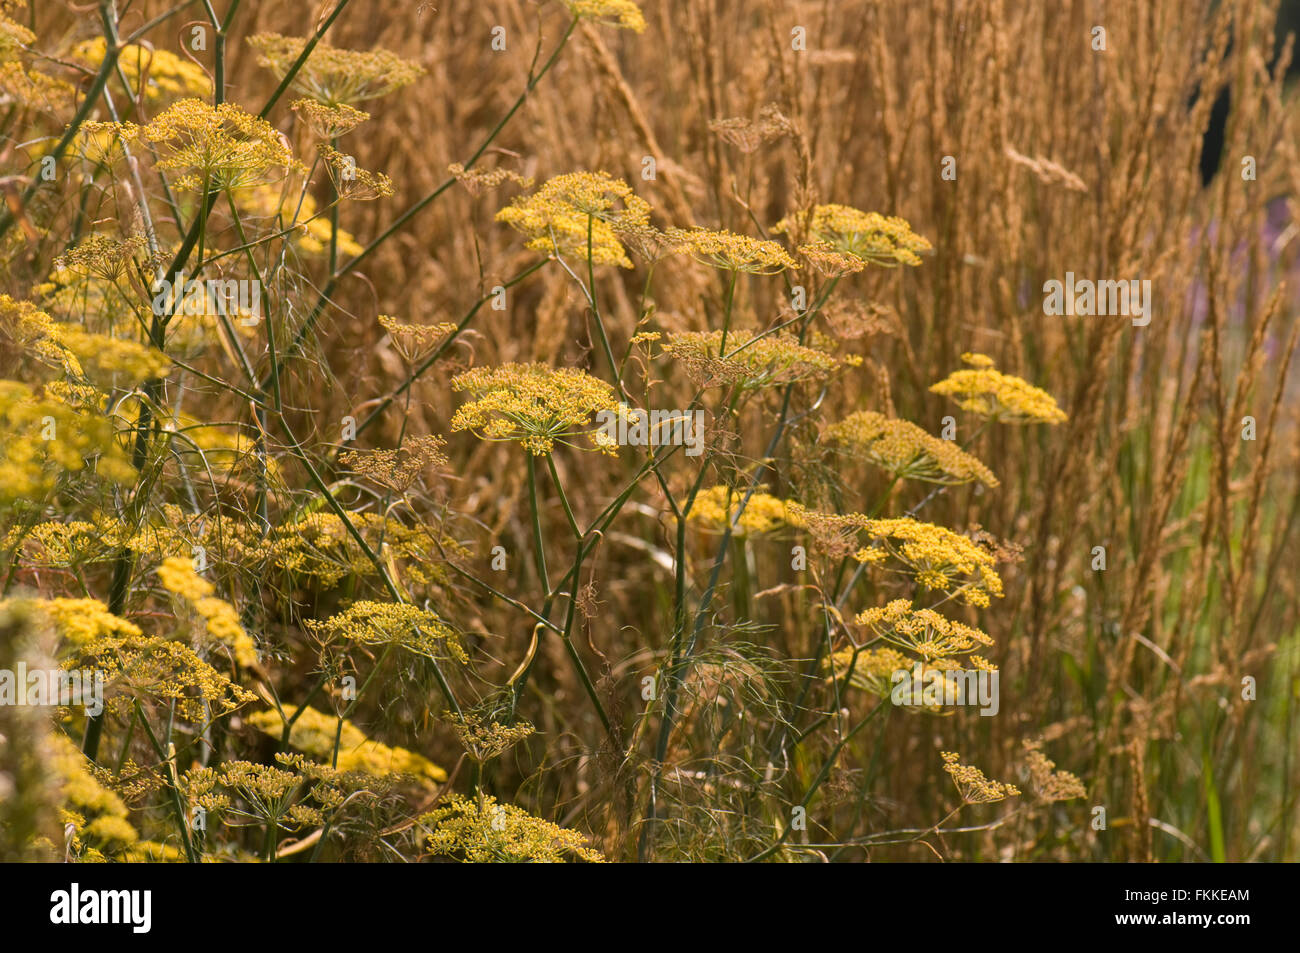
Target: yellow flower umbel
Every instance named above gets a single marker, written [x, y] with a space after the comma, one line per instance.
[869, 236]
[329, 122]
[80, 621]
[398, 469]
[937, 557]
[484, 738]
[729, 251]
[393, 623]
[488, 832]
[25, 332]
[156, 72]
[137, 667]
[623, 14]
[107, 361]
[923, 631]
[907, 451]
[751, 362]
[534, 404]
[314, 732]
[414, 341]
[105, 142]
[872, 670]
[570, 213]
[221, 147]
[97, 816]
[220, 619]
[47, 441]
[1047, 783]
[13, 37]
[971, 784]
[353, 183]
[477, 181]
[716, 508]
[333, 76]
[989, 393]
[101, 256]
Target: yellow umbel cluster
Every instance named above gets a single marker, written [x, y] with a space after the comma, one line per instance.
[578, 215]
[219, 617]
[905, 450]
[1003, 397]
[534, 404]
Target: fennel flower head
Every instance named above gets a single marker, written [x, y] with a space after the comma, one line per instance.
[579, 214]
[491, 832]
[623, 14]
[332, 76]
[535, 404]
[867, 236]
[717, 507]
[752, 361]
[872, 670]
[923, 631]
[937, 557]
[987, 392]
[729, 251]
[220, 618]
[328, 122]
[153, 72]
[905, 450]
[971, 783]
[220, 147]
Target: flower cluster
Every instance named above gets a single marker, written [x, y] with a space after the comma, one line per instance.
[478, 181]
[81, 621]
[329, 122]
[577, 214]
[729, 251]
[48, 441]
[314, 733]
[417, 630]
[217, 147]
[1047, 783]
[332, 76]
[752, 361]
[937, 557]
[716, 508]
[869, 236]
[748, 135]
[484, 738]
[144, 666]
[96, 815]
[107, 361]
[101, 256]
[971, 783]
[872, 670]
[154, 72]
[413, 341]
[923, 631]
[489, 832]
[351, 182]
[905, 450]
[985, 391]
[220, 619]
[836, 534]
[619, 13]
[398, 469]
[534, 404]
[32, 89]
